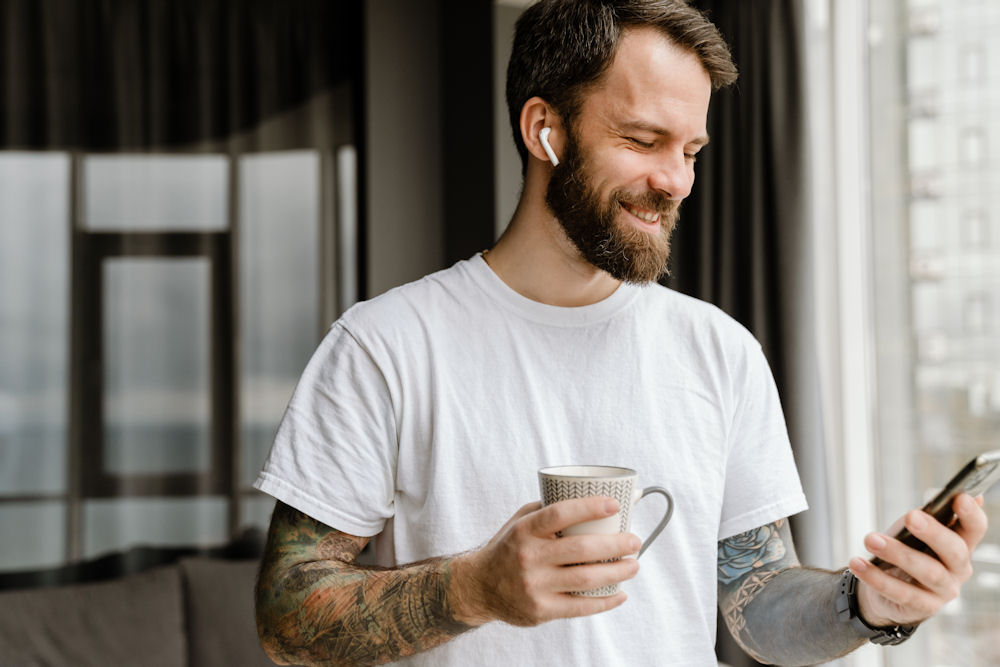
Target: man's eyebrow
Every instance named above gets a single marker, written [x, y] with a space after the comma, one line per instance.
[643, 126]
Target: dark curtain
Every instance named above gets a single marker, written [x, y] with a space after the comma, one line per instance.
[744, 242]
[125, 74]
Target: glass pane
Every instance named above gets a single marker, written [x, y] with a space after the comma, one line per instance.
[347, 225]
[256, 511]
[279, 289]
[937, 286]
[113, 525]
[155, 192]
[156, 365]
[34, 327]
[34, 535]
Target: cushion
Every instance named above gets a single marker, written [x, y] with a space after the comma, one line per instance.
[220, 608]
[135, 620]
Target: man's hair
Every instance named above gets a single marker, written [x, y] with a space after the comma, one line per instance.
[562, 47]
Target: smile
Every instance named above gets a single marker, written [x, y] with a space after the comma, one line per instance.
[643, 214]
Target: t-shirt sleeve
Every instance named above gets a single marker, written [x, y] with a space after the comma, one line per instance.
[762, 482]
[334, 454]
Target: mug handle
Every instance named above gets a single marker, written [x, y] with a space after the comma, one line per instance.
[663, 522]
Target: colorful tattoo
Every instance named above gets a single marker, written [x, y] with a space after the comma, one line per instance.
[315, 604]
[752, 550]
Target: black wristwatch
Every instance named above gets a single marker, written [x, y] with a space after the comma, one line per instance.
[847, 611]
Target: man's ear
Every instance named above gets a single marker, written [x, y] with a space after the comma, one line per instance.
[536, 115]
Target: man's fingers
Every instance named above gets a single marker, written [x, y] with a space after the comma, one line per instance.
[972, 521]
[526, 510]
[593, 575]
[952, 547]
[559, 516]
[945, 543]
[571, 606]
[910, 602]
[590, 548]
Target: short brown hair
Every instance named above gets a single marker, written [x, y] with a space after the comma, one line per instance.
[563, 46]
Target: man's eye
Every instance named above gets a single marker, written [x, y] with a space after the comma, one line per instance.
[641, 144]
[691, 157]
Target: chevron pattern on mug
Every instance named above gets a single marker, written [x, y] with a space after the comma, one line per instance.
[569, 482]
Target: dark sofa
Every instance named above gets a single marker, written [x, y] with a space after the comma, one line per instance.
[172, 607]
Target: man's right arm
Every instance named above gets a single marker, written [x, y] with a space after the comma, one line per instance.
[316, 605]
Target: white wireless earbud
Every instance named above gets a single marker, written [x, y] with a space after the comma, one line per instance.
[543, 137]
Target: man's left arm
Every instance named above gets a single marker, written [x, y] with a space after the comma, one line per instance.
[783, 613]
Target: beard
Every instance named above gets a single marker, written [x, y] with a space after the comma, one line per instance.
[624, 251]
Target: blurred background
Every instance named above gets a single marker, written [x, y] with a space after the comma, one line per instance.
[192, 191]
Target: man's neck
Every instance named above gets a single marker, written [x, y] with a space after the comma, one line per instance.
[535, 258]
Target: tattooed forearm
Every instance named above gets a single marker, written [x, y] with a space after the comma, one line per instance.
[746, 563]
[779, 612]
[315, 605]
[792, 620]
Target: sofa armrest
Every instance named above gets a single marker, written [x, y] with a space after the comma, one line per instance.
[137, 619]
[219, 603]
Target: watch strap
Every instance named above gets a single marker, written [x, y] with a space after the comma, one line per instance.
[848, 612]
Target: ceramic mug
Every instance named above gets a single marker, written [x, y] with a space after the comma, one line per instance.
[566, 482]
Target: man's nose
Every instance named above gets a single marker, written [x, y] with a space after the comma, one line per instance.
[673, 176]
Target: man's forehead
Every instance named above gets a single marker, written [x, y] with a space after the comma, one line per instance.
[651, 81]
[648, 59]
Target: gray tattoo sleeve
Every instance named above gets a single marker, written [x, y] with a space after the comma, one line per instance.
[779, 612]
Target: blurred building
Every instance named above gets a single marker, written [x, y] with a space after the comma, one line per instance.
[935, 93]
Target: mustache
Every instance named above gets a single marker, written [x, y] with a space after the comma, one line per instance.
[652, 201]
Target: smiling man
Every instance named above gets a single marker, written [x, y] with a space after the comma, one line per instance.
[423, 416]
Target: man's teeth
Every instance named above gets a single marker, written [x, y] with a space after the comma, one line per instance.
[648, 216]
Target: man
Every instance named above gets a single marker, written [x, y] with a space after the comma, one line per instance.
[425, 413]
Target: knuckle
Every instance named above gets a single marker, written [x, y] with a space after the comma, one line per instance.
[526, 582]
[557, 512]
[941, 579]
[906, 599]
[520, 530]
[537, 611]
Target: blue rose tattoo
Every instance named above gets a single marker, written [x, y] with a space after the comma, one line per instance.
[748, 551]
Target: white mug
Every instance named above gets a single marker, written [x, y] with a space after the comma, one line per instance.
[566, 482]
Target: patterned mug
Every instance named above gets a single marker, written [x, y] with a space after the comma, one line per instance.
[565, 482]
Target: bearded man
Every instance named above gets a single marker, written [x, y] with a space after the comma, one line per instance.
[425, 413]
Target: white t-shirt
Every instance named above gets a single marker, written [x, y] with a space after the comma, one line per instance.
[425, 413]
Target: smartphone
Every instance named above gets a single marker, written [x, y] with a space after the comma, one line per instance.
[975, 478]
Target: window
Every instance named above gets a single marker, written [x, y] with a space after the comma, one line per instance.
[936, 283]
[157, 310]
[34, 356]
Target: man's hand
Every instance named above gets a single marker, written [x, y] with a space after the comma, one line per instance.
[521, 576]
[919, 584]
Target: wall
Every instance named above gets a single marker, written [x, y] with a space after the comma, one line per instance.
[405, 230]
[507, 163]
